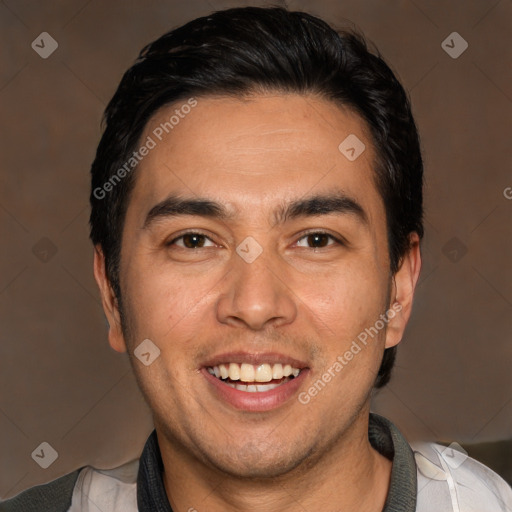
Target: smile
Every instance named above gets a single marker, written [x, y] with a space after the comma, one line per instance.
[250, 378]
[254, 385]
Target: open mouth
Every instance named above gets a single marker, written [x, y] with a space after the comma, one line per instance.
[254, 378]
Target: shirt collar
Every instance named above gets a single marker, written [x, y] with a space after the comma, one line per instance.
[151, 495]
[388, 441]
[383, 436]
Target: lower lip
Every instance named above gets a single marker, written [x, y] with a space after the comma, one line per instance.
[256, 401]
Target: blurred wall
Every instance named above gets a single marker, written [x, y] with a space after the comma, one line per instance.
[61, 383]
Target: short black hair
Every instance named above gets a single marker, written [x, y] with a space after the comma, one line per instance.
[242, 51]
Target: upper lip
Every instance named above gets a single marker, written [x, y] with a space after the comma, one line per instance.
[255, 358]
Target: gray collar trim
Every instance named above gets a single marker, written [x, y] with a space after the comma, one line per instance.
[388, 440]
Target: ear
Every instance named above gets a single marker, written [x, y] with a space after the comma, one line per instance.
[404, 284]
[109, 301]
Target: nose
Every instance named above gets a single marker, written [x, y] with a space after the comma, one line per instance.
[256, 294]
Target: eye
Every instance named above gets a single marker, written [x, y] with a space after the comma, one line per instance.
[318, 240]
[191, 240]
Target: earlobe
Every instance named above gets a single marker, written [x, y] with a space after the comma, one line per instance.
[404, 282]
[109, 301]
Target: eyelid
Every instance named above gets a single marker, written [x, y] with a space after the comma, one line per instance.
[188, 232]
[338, 239]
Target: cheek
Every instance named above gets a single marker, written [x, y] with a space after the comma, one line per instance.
[347, 299]
[344, 313]
[169, 311]
[168, 307]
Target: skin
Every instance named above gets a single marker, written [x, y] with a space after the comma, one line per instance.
[306, 299]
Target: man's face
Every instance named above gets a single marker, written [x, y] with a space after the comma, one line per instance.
[210, 298]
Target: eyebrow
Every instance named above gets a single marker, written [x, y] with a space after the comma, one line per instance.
[321, 204]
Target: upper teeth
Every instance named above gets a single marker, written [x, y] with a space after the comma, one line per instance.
[253, 373]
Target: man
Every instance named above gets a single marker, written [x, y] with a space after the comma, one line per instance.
[256, 216]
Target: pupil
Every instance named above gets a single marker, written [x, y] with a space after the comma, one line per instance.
[192, 241]
[318, 237]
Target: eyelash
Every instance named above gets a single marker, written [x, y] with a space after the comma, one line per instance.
[305, 235]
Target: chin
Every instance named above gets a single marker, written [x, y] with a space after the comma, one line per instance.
[252, 463]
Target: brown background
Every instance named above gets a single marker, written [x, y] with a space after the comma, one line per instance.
[59, 380]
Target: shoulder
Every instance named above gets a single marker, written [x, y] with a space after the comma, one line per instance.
[448, 477]
[114, 490]
[54, 496]
[83, 490]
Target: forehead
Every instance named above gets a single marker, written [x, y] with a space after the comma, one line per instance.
[249, 153]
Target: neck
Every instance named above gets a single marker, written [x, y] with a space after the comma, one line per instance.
[349, 475]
